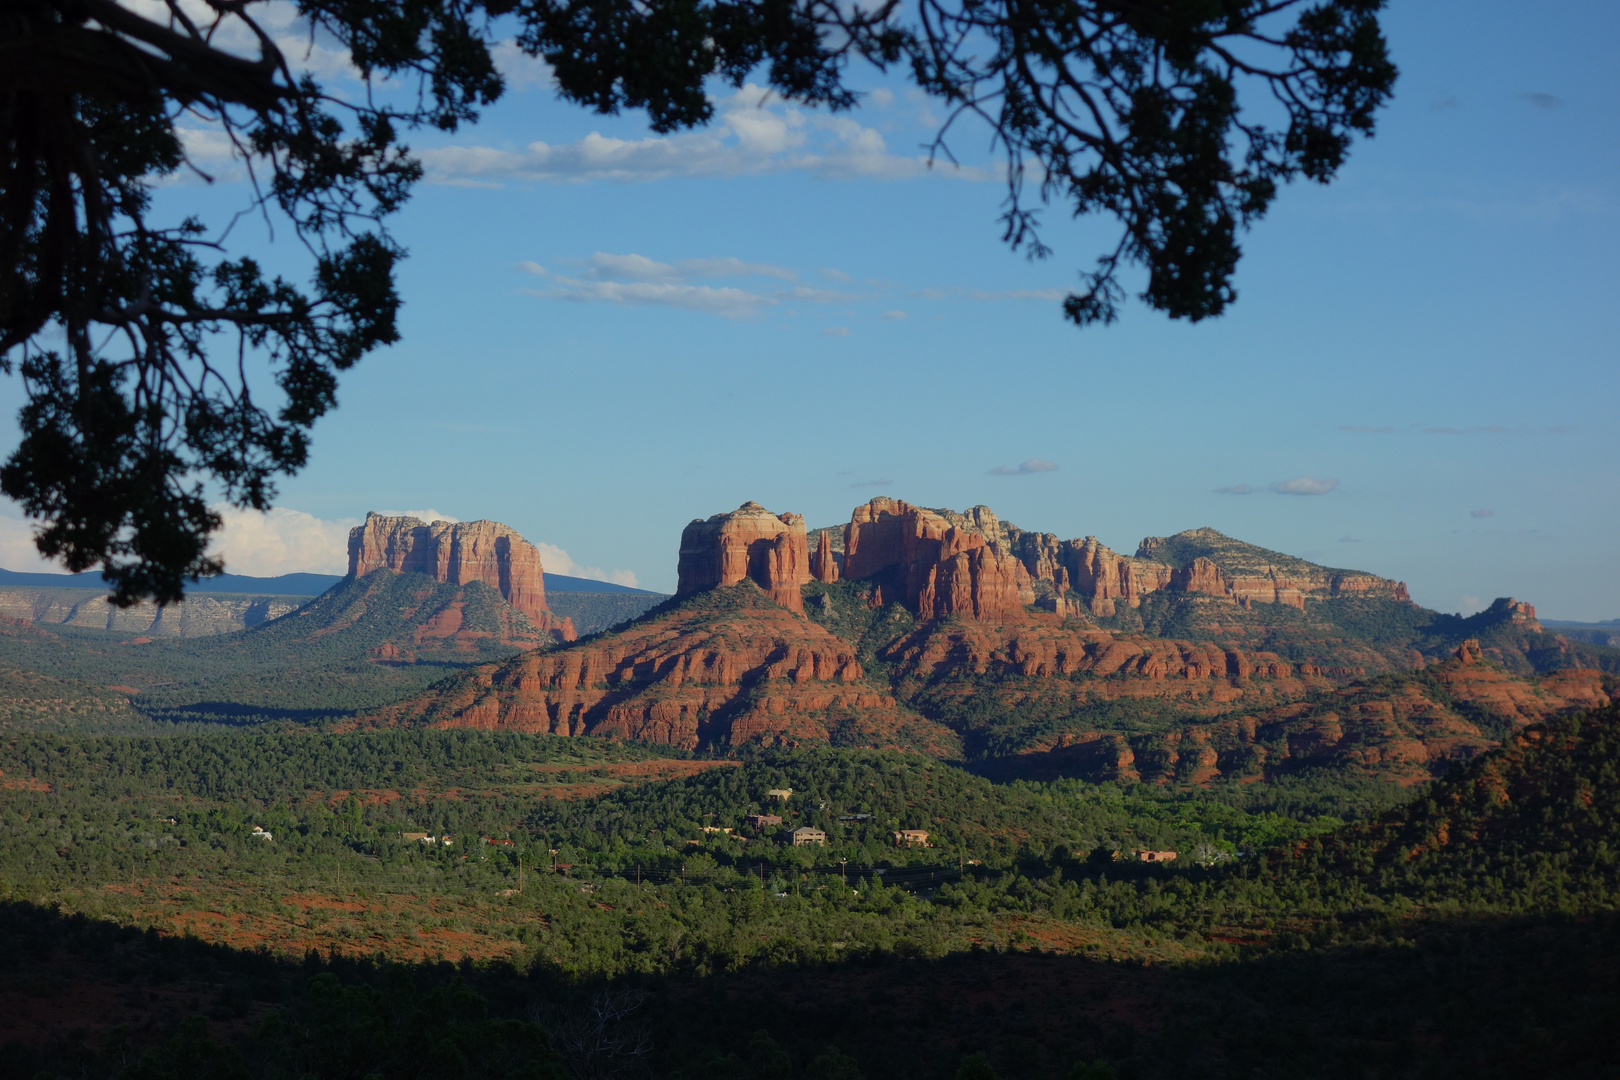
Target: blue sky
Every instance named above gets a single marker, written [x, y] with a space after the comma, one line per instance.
[609, 333]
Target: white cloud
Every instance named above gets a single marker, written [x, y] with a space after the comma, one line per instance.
[837, 331]
[1028, 468]
[554, 560]
[732, 267]
[818, 296]
[755, 133]
[520, 70]
[983, 296]
[317, 52]
[894, 315]
[634, 280]
[429, 516]
[282, 541]
[529, 266]
[728, 303]
[17, 551]
[835, 274]
[882, 97]
[1304, 485]
[640, 268]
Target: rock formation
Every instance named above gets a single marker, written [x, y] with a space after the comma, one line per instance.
[459, 554]
[1405, 732]
[750, 542]
[1514, 612]
[751, 674]
[939, 567]
[1198, 562]
[199, 615]
[823, 566]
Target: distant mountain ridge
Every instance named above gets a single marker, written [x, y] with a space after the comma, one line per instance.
[299, 584]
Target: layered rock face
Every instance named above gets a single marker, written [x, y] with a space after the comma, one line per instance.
[751, 673]
[941, 567]
[459, 554]
[1105, 580]
[1404, 733]
[772, 550]
[1516, 613]
[199, 615]
[1077, 664]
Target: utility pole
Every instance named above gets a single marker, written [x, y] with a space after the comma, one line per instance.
[844, 873]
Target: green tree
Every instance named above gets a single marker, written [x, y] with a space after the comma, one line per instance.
[1096, 1070]
[135, 337]
[976, 1067]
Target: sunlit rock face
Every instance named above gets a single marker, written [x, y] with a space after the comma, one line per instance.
[459, 554]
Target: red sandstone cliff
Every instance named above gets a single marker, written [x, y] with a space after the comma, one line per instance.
[459, 554]
[941, 568]
[750, 542]
[744, 672]
[1402, 730]
[823, 567]
[1197, 562]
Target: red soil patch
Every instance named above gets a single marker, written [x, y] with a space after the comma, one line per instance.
[22, 783]
[387, 924]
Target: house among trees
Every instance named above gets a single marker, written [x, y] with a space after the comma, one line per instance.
[782, 794]
[258, 831]
[805, 835]
[1144, 855]
[910, 838]
[759, 821]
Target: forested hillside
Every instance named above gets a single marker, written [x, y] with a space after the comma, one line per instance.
[1462, 895]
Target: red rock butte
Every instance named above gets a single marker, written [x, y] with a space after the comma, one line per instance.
[459, 553]
[943, 567]
[772, 550]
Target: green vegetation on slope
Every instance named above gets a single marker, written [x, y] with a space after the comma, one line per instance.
[1232, 556]
[1327, 955]
[594, 612]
